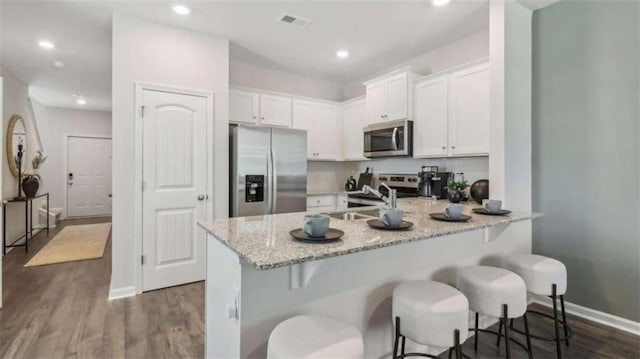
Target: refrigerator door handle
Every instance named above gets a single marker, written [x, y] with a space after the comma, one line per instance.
[269, 184]
[274, 182]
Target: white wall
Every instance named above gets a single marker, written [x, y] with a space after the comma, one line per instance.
[273, 80]
[16, 101]
[164, 55]
[465, 50]
[55, 124]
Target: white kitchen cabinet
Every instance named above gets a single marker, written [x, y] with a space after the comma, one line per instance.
[388, 98]
[452, 113]
[244, 107]
[469, 111]
[259, 109]
[431, 119]
[353, 121]
[328, 202]
[321, 121]
[275, 110]
[342, 201]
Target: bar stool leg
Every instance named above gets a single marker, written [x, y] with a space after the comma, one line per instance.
[499, 333]
[555, 321]
[505, 316]
[456, 341]
[450, 352]
[526, 330]
[397, 338]
[475, 337]
[404, 341]
[564, 320]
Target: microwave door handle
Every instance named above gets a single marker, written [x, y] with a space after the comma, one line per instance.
[393, 138]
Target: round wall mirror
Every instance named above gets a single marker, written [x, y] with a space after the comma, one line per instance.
[16, 141]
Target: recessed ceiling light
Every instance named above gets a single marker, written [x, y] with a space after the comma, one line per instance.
[58, 64]
[81, 101]
[343, 54]
[440, 2]
[181, 10]
[45, 44]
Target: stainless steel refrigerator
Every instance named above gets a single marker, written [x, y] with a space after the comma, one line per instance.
[268, 170]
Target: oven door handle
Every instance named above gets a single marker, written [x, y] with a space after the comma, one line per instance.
[393, 139]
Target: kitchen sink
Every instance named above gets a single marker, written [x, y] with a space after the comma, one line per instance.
[350, 216]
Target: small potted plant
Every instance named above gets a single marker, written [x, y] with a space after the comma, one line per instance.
[30, 184]
[455, 191]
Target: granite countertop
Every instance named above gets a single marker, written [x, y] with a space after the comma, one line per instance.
[264, 241]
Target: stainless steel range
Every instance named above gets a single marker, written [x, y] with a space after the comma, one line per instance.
[406, 185]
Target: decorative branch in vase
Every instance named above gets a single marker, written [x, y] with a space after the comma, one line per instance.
[38, 160]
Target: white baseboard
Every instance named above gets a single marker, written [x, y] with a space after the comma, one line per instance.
[120, 293]
[593, 315]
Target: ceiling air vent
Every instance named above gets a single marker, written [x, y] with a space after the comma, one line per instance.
[294, 20]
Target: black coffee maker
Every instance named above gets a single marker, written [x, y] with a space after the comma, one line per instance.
[433, 182]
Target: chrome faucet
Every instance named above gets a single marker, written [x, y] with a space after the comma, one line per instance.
[391, 201]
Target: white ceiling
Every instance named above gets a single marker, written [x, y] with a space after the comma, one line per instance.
[378, 34]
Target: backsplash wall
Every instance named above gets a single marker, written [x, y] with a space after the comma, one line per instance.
[331, 176]
[474, 168]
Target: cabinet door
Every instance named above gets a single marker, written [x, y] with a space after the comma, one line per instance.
[431, 118]
[321, 201]
[353, 121]
[243, 107]
[275, 110]
[303, 118]
[326, 132]
[469, 111]
[397, 98]
[376, 102]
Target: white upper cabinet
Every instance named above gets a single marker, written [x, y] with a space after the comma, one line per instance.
[376, 102]
[259, 109]
[388, 98]
[430, 123]
[326, 132]
[244, 107]
[354, 119]
[397, 98]
[469, 111]
[322, 122]
[275, 110]
[452, 113]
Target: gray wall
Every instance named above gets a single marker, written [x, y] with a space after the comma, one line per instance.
[585, 149]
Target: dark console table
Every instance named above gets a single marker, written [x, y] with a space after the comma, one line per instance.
[28, 221]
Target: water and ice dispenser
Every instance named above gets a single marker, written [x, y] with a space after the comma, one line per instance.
[254, 188]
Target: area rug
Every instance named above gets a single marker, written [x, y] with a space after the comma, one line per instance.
[74, 243]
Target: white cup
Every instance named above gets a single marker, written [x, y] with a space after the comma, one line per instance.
[492, 205]
[453, 210]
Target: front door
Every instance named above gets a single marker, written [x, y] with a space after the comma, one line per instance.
[174, 188]
[88, 176]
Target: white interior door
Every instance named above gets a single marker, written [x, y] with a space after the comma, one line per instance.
[88, 176]
[174, 188]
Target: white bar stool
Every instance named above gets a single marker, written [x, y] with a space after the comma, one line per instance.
[495, 292]
[548, 277]
[312, 336]
[431, 313]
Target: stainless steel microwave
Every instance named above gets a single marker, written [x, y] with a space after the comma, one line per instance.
[389, 139]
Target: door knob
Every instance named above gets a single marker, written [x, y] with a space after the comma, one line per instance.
[201, 197]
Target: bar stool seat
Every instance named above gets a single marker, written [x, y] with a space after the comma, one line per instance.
[539, 273]
[496, 292]
[312, 336]
[489, 288]
[430, 313]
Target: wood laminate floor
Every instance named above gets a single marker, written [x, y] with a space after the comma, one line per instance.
[62, 311]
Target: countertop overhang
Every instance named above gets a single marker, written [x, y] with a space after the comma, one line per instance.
[264, 241]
